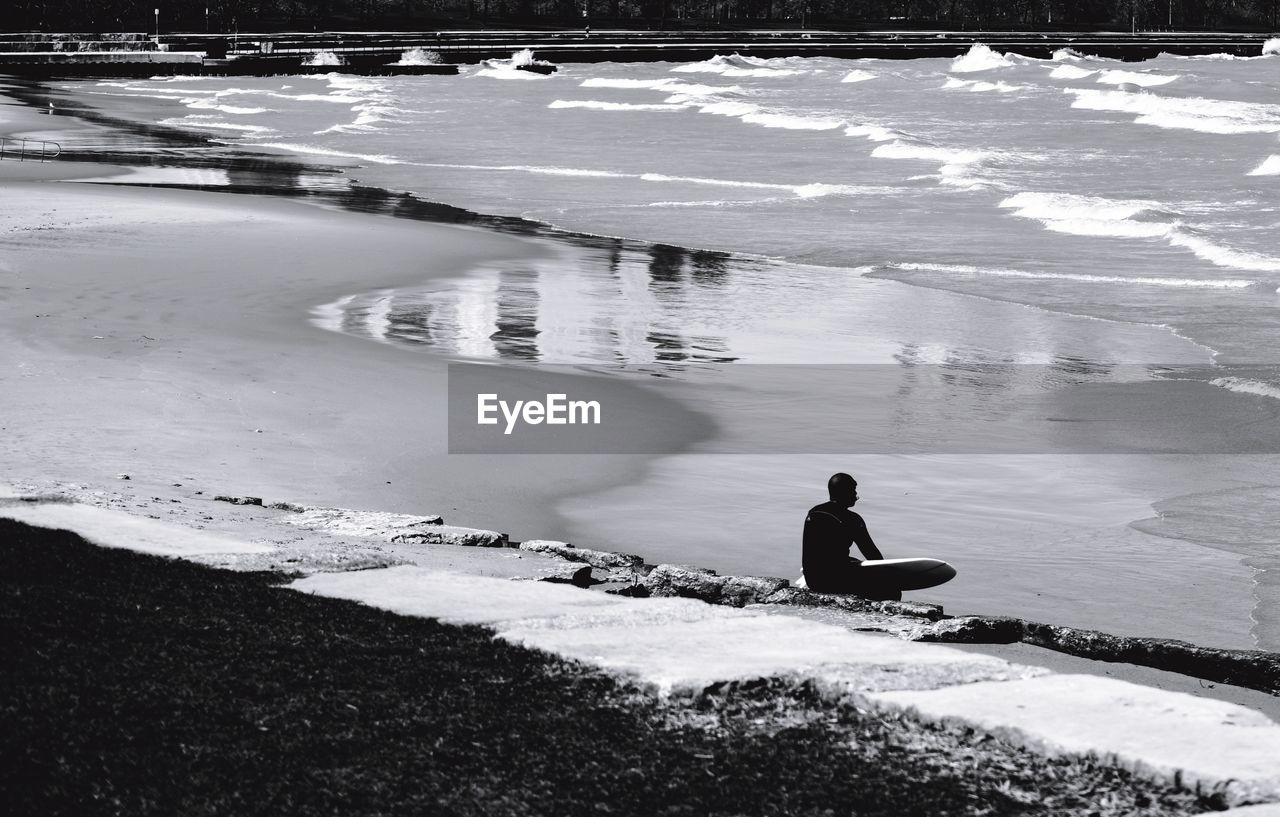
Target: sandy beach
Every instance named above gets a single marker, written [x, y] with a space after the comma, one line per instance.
[165, 334]
[158, 346]
[187, 318]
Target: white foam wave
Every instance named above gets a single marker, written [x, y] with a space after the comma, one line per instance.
[1271, 46]
[1269, 167]
[904, 150]
[604, 82]
[1114, 218]
[810, 190]
[321, 151]
[711, 203]
[213, 105]
[179, 78]
[1144, 80]
[1216, 116]
[956, 164]
[873, 133]
[419, 56]
[858, 75]
[506, 71]
[728, 108]
[1082, 277]
[324, 58]
[600, 105]
[1070, 72]
[339, 98]
[979, 86]
[370, 115]
[736, 65]
[792, 121]
[671, 86]
[1071, 207]
[211, 122]
[1247, 386]
[1223, 256]
[979, 57]
[1067, 54]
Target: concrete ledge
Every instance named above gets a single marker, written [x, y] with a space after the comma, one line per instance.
[118, 529]
[1210, 746]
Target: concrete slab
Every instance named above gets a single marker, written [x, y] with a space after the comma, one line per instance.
[116, 529]
[683, 656]
[673, 644]
[1213, 745]
[454, 597]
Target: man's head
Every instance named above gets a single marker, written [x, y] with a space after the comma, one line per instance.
[843, 490]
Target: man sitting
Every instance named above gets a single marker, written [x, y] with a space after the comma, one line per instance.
[830, 530]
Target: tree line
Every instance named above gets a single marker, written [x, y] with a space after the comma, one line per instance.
[306, 15]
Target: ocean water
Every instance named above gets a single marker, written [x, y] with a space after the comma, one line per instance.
[991, 209]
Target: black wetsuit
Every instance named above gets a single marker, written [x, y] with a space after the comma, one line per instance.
[830, 530]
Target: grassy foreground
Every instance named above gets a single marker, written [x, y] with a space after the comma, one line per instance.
[137, 685]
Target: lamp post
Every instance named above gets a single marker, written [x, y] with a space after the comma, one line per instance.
[157, 12]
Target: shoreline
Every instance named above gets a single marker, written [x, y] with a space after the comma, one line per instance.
[524, 508]
[539, 519]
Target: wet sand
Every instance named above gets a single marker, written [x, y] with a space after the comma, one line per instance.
[163, 334]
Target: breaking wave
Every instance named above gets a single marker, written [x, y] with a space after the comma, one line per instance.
[1111, 218]
[979, 57]
[1070, 72]
[1269, 167]
[858, 75]
[1143, 80]
[736, 65]
[1217, 116]
[981, 85]
[1247, 386]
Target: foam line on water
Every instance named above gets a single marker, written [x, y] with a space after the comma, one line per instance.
[322, 151]
[1114, 218]
[1216, 116]
[1144, 80]
[601, 105]
[211, 122]
[1247, 386]
[1082, 277]
[668, 85]
[1070, 72]
[956, 164]
[804, 191]
[980, 86]
[858, 75]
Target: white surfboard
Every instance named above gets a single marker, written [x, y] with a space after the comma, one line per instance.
[904, 574]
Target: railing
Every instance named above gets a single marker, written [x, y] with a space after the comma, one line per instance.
[27, 149]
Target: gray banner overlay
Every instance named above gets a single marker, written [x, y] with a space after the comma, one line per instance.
[1068, 407]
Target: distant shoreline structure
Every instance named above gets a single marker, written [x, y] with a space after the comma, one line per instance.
[117, 54]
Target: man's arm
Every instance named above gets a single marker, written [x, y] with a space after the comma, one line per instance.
[862, 538]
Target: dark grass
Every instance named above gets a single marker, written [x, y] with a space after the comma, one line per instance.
[136, 685]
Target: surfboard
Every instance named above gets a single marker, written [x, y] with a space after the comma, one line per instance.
[910, 574]
[905, 574]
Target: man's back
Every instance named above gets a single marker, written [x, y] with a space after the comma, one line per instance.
[830, 530]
